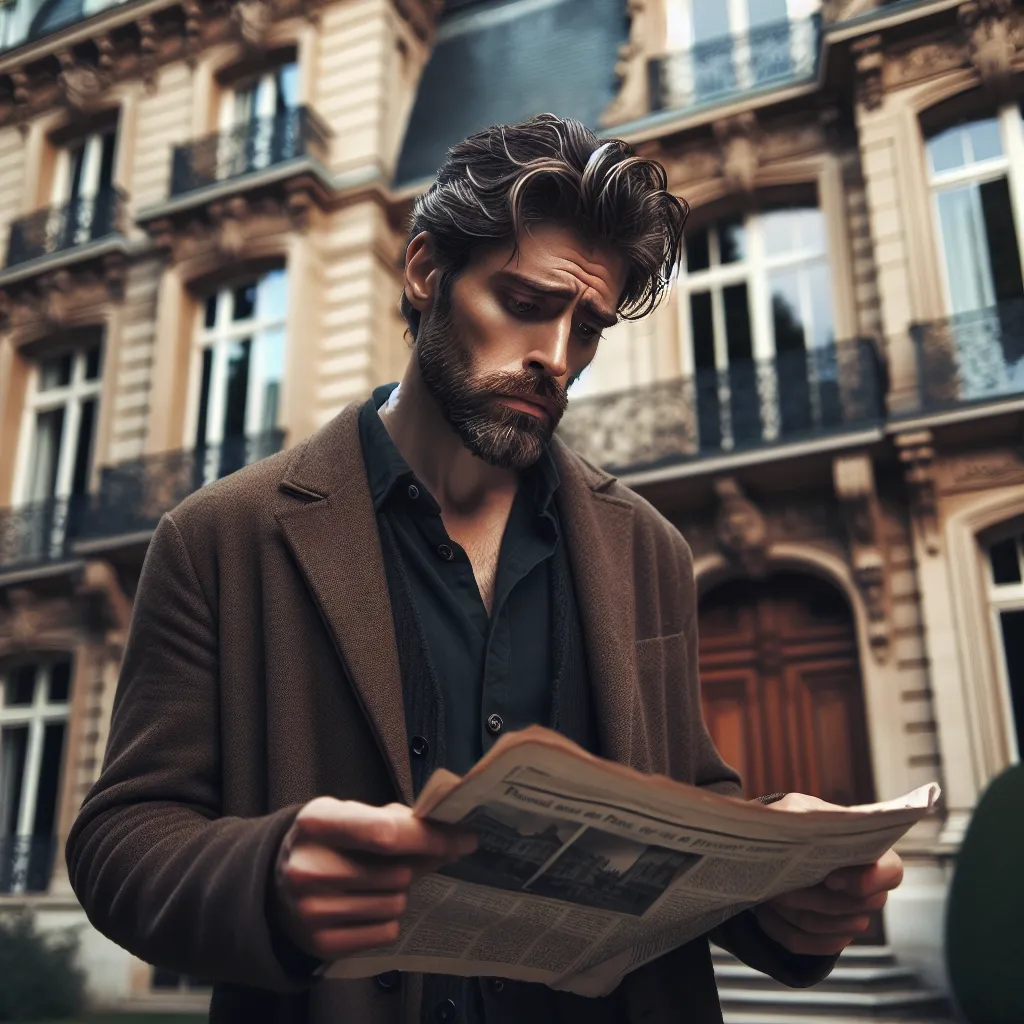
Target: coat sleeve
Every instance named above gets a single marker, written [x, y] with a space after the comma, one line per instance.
[150, 857]
[741, 935]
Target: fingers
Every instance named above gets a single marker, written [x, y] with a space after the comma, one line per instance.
[390, 831]
[803, 802]
[327, 912]
[824, 924]
[880, 877]
[825, 901]
[334, 943]
[795, 939]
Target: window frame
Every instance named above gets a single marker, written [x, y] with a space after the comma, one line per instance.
[1005, 597]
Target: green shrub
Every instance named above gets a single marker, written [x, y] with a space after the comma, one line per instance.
[38, 975]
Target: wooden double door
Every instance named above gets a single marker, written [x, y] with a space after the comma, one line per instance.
[782, 690]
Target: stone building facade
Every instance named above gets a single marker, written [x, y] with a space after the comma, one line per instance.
[203, 206]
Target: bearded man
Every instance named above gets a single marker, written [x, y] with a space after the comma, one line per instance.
[316, 634]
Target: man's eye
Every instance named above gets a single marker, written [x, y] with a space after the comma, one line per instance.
[521, 306]
[587, 332]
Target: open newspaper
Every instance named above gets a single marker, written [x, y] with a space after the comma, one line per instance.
[586, 870]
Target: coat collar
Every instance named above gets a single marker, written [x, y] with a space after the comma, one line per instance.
[333, 536]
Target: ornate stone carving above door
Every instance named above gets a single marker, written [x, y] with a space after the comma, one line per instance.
[741, 528]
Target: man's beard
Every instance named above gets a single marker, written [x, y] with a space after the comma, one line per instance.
[491, 430]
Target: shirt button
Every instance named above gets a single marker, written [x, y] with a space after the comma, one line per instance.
[497, 986]
[494, 724]
[414, 491]
[446, 1011]
[445, 552]
[419, 746]
[388, 982]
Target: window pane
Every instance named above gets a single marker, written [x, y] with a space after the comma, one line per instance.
[965, 144]
[210, 314]
[20, 687]
[13, 748]
[703, 331]
[732, 240]
[821, 305]
[1005, 563]
[737, 323]
[49, 777]
[55, 373]
[793, 230]
[272, 358]
[766, 12]
[202, 421]
[46, 454]
[984, 140]
[966, 249]
[710, 20]
[93, 362]
[107, 161]
[272, 297]
[946, 150]
[1013, 649]
[698, 252]
[1000, 231]
[60, 682]
[237, 388]
[83, 453]
[790, 334]
[288, 87]
[244, 302]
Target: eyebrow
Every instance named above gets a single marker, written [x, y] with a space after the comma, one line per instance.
[605, 319]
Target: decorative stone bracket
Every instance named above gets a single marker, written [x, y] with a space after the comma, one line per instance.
[854, 479]
[739, 145]
[993, 37]
[741, 528]
[918, 457]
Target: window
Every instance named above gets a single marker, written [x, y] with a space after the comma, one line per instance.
[33, 721]
[255, 119]
[756, 300]
[240, 368]
[59, 437]
[83, 185]
[1006, 594]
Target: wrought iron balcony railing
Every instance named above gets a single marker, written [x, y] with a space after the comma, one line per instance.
[26, 863]
[132, 496]
[765, 57]
[970, 357]
[799, 395]
[131, 499]
[255, 145]
[59, 228]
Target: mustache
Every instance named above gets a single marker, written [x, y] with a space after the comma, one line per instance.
[524, 385]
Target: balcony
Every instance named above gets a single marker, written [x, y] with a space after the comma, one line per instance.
[764, 59]
[26, 863]
[58, 229]
[248, 149]
[969, 358]
[797, 396]
[130, 500]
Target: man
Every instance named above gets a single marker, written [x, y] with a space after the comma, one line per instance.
[314, 635]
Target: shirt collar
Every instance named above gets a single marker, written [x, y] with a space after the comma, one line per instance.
[386, 470]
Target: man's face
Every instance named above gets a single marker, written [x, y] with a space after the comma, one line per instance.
[500, 356]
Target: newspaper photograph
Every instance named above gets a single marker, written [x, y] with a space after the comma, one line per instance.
[585, 870]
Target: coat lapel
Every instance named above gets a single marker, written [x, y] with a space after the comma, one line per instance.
[333, 536]
[599, 532]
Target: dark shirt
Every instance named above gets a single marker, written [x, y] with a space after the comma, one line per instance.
[495, 671]
[498, 665]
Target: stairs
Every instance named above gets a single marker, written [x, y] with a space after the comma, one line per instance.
[866, 985]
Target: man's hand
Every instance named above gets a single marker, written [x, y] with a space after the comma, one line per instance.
[344, 869]
[824, 919]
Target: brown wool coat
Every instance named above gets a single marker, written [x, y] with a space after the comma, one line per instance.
[262, 671]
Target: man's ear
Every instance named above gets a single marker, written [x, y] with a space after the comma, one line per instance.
[421, 273]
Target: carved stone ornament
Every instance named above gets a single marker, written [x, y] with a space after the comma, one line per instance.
[992, 39]
[26, 623]
[253, 19]
[854, 479]
[869, 59]
[918, 458]
[741, 528]
[632, 98]
[739, 144]
[82, 84]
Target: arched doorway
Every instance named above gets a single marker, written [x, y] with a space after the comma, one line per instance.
[782, 690]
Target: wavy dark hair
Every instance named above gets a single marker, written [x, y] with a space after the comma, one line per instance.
[553, 170]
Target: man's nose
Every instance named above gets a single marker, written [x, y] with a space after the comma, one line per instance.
[550, 352]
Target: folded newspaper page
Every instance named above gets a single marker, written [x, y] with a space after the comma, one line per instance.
[586, 870]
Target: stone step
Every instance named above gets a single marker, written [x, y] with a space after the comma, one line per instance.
[844, 977]
[767, 1017]
[800, 1004]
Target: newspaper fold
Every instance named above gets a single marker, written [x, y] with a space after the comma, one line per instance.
[586, 870]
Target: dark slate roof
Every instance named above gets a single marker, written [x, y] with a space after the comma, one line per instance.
[501, 61]
[55, 14]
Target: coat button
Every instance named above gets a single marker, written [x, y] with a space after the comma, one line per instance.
[445, 552]
[497, 986]
[388, 982]
[414, 492]
[494, 724]
[419, 746]
[446, 1011]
